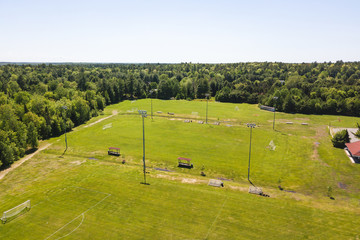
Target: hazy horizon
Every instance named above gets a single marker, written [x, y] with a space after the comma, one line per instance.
[161, 31]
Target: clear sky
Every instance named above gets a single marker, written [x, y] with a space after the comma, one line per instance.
[173, 31]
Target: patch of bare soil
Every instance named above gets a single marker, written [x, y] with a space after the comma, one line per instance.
[100, 120]
[78, 162]
[242, 189]
[189, 180]
[321, 132]
[281, 120]
[342, 185]
[315, 156]
[182, 179]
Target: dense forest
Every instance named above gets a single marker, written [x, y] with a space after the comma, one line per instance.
[40, 101]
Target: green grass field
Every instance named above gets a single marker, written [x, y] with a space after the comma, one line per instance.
[89, 195]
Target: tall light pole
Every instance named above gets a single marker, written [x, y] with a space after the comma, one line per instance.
[275, 98]
[143, 115]
[65, 108]
[151, 91]
[251, 126]
[207, 102]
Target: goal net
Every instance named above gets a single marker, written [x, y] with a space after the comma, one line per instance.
[15, 211]
[272, 145]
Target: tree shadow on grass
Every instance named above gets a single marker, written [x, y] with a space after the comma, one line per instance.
[4, 167]
[31, 150]
[27, 152]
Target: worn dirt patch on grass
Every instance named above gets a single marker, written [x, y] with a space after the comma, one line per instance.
[242, 189]
[182, 179]
[78, 162]
[188, 180]
[21, 161]
[302, 119]
[315, 155]
[102, 119]
[342, 185]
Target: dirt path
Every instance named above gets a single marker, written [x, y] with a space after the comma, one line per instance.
[24, 159]
[21, 161]
[100, 120]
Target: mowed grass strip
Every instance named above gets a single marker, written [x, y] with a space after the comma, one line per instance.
[219, 151]
[165, 209]
[61, 189]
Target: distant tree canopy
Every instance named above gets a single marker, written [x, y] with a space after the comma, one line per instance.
[33, 97]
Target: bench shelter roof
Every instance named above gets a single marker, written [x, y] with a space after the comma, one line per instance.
[185, 159]
[114, 148]
[354, 148]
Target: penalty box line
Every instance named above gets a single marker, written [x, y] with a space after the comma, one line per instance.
[81, 214]
[210, 228]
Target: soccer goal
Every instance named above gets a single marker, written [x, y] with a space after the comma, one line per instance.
[15, 211]
[272, 145]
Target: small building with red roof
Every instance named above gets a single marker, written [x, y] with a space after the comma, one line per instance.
[354, 150]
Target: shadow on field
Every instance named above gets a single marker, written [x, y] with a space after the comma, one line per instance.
[4, 167]
[32, 150]
[280, 132]
[251, 183]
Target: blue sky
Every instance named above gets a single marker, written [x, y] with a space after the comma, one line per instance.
[179, 31]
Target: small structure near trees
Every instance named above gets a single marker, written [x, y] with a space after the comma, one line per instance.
[114, 151]
[185, 162]
[354, 150]
[267, 108]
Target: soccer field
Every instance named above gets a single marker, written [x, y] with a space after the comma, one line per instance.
[87, 194]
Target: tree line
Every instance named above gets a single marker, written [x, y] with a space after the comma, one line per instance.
[38, 101]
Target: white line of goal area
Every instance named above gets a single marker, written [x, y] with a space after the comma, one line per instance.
[210, 228]
[81, 214]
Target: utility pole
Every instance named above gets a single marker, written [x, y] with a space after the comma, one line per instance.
[207, 102]
[251, 126]
[65, 108]
[151, 91]
[275, 98]
[143, 115]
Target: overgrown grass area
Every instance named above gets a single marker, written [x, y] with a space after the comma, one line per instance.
[87, 194]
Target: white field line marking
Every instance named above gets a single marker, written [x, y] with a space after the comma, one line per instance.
[90, 190]
[37, 204]
[82, 220]
[78, 216]
[222, 207]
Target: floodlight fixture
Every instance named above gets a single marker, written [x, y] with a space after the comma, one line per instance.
[251, 126]
[143, 114]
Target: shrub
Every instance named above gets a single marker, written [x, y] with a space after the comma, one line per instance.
[357, 133]
[340, 138]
